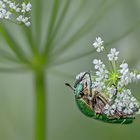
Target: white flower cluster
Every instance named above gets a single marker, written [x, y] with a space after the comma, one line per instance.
[113, 55]
[9, 10]
[124, 104]
[101, 74]
[79, 76]
[98, 44]
[111, 91]
[126, 76]
[113, 83]
[86, 78]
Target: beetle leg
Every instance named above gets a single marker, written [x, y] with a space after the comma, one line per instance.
[97, 105]
[103, 99]
[90, 82]
[79, 80]
[98, 102]
[115, 95]
[90, 88]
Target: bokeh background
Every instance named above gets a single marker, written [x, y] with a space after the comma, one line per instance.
[75, 26]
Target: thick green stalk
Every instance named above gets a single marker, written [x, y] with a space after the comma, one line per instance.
[40, 108]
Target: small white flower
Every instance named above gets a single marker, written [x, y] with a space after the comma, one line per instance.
[80, 75]
[99, 85]
[10, 9]
[1, 16]
[107, 106]
[126, 76]
[23, 19]
[98, 64]
[102, 73]
[128, 91]
[133, 76]
[23, 7]
[28, 7]
[138, 76]
[12, 5]
[137, 105]
[120, 106]
[128, 111]
[113, 55]
[113, 106]
[107, 109]
[111, 90]
[95, 61]
[5, 0]
[20, 18]
[86, 78]
[98, 44]
[18, 9]
[8, 15]
[27, 23]
[124, 66]
[133, 99]
[112, 112]
[2, 5]
[131, 105]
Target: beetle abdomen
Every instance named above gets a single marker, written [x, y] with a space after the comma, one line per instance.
[86, 110]
[105, 118]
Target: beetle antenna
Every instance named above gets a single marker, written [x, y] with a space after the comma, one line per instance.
[67, 84]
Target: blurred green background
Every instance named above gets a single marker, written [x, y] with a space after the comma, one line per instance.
[74, 27]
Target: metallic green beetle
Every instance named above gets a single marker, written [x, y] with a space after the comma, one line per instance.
[91, 102]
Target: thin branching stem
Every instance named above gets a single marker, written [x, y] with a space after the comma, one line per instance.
[71, 21]
[123, 35]
[37, 18]
[5, 55]
[51, 26]
[29, 37]
[86, 27]
[57, 26]
[18, 51]
[84, 54]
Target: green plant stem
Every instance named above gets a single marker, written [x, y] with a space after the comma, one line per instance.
[40, 108]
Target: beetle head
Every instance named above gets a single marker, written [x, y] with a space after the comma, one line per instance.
[78, 89]
[82, 81]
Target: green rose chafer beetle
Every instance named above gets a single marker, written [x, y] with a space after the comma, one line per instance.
[92, 102]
